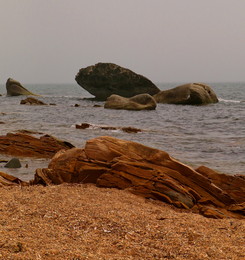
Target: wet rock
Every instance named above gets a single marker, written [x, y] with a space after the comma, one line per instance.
[188, 94]
[138, 102]
[14, 88]
[151, 173]
[32, 101]
[13, 163]
[104, 79]
[28, 146]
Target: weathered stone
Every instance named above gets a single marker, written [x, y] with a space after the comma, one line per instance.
[138, 102]
[32, 101]
[13, 163]
[104, 79]
[188, 94]
[28, 146]
[14, 88]
[232, 184]
[115, 163]
[9, 180]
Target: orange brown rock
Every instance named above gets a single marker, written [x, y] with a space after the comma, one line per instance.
[148, 172]
[24, 145]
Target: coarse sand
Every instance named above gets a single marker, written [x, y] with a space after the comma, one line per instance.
[73, 221]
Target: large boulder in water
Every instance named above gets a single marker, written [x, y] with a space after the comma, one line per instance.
[104, 79]
[148, 172]
[14, 88]
[188, 94]
[138, 102]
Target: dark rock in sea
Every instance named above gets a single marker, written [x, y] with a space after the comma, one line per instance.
[14, 88]
[83, 126]
[28, 146]
[104, 79]
[188, 94]
[131, 129]
[32, 101]
[124, 129]
[151, 173]
[13, 163]
[138, 102]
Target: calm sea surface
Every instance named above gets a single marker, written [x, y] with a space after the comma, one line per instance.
[212, 135]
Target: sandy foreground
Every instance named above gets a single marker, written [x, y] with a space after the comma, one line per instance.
[85, 222]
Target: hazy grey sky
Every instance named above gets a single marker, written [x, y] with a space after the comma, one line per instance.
[48, 41]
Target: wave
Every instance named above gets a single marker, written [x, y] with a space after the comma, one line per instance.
[229, 100]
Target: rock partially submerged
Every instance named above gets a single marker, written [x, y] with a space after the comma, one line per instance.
[104, 79]
[188, 94]
[114, 163]
[13, 163]
[29, 146]
[32, 101]
[126, 129]
[14, 88]
[138, 102]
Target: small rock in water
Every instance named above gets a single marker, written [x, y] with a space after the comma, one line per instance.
[83, 126]
[13, 163]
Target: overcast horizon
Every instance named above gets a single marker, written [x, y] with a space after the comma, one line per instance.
[48, 41]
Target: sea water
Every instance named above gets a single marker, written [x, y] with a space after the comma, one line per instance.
[211, 135]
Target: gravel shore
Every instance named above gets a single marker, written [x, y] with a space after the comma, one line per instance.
[85, 222]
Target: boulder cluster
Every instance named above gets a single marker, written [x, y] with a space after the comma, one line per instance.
[124, 89]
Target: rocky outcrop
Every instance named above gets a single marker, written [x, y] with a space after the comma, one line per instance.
[188, 94]
[14, 88]
[32, 101]
[138, 102]
[29, 146]
[9, 180]
[114, 163]
[104, 79]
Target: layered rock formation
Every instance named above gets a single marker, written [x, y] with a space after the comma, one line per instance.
[114, 163]
[29, 146]
[104, 79]
[14, 88]
[138, 102]
[188, 94]
[9, 180]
